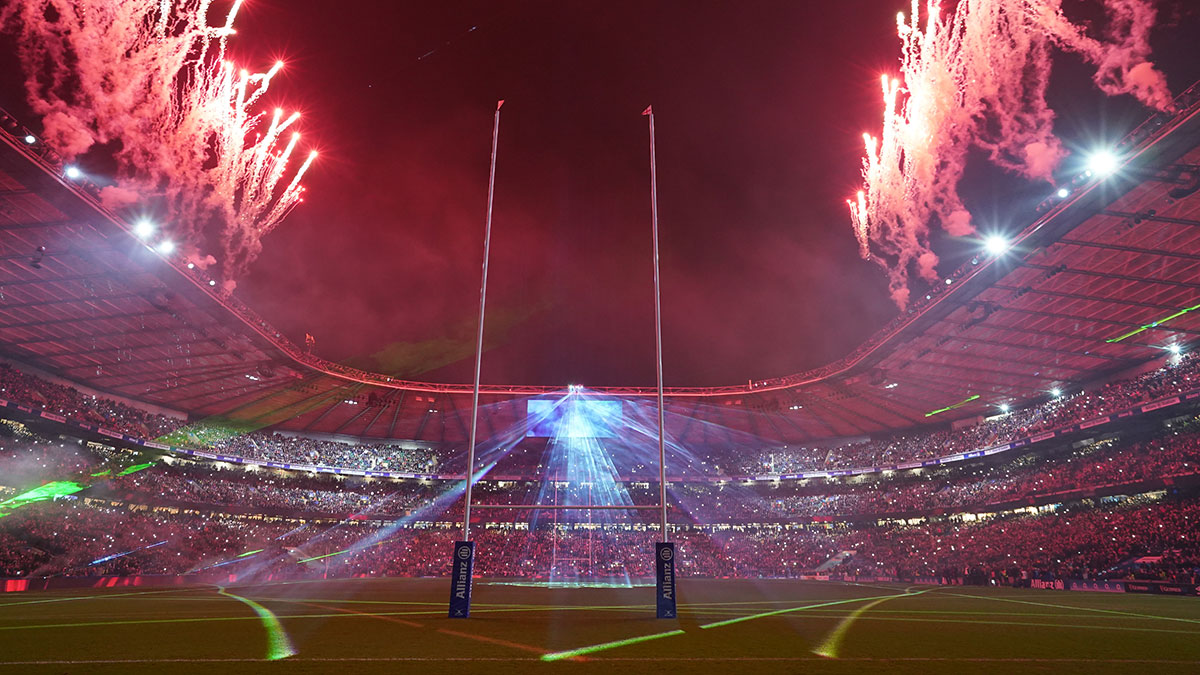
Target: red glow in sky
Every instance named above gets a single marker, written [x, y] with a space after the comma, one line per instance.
[759, 114]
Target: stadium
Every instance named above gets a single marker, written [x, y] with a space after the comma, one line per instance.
[999, 472]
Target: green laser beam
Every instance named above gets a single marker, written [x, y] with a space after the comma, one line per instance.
[58, 488]
[558, 656]
[961, 403]
[135, 468]
[1154, 324]
[278, 644]
[351, 549]
[243, 555]
[591, 649]
[318, 557]
[833, 643]
[102, 473]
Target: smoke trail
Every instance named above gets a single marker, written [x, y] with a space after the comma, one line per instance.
[151, 77]
[977, 77]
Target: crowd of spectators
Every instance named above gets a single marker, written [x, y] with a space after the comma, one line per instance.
[1107, 463]
[70, 538]
[74, 405]
[1084, 543]
[28, 460]
[277, 493]
[273, 447]
[979, 487]
[1139, 538]
[1181, 375]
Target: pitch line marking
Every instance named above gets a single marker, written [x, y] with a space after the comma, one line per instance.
[101, 596]
[496, 641]
[391, 619]
[414, 624]
[1082, 609]
[963, 622]
[788, 610]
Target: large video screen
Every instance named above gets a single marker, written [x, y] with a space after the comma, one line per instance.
[573, 418]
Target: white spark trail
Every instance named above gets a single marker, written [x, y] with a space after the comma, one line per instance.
[977, 77]
[152, 77]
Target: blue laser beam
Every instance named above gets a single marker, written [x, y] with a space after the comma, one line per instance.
[122, 555]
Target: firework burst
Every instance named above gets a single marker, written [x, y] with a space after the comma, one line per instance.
[152, 77]
[977, 77]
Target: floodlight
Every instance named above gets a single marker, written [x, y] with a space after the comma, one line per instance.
[995, 244]
[143, 229]
[73, 172]
[1004, 407]
[30, 139]
[1103, 163]
[1063, 193]
[166, 247]
[1056, 392]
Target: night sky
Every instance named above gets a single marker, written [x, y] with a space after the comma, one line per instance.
[760, 107]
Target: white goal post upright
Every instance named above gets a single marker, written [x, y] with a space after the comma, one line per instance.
[462, 561]
[664, 551]
[463, 556]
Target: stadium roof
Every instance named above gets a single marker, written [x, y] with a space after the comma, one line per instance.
[1104, 280]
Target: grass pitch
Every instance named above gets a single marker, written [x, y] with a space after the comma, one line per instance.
[400, 625]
